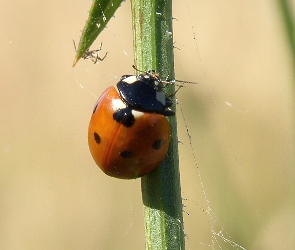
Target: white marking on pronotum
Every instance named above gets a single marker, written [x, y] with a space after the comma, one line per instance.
[160, 96]
[130, 79]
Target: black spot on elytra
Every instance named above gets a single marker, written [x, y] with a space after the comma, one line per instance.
[158, 144]
[126, 154]
[96, 137]
[124, 116]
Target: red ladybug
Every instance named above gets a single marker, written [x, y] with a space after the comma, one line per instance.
[128, 133]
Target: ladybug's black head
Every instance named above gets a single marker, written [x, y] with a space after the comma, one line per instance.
[152, 79]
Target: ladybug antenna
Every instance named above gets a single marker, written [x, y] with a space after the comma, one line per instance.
[150, 72]
[175, 80]
[133, 66]
[179, 87]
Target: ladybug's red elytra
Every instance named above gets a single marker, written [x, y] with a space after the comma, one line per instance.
[128, 134]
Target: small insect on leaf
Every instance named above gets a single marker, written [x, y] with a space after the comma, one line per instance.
[92, 54]
[100, 14]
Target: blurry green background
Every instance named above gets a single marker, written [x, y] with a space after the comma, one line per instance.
[237, 173]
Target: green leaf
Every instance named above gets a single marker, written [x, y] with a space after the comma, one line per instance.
[99, 15]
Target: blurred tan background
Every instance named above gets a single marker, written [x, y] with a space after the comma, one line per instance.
[240, 117]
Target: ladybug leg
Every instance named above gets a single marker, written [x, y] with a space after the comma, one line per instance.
[124, 116]
[169, 102]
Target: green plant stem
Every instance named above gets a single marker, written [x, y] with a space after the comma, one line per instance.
[153, 49]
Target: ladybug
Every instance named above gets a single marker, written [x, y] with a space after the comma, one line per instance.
[129, 134]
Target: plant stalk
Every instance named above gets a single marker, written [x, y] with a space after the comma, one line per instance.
[161, 193]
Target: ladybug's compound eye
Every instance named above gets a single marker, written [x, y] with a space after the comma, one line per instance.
[158, 85]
